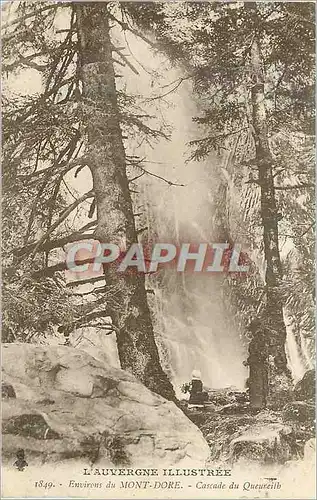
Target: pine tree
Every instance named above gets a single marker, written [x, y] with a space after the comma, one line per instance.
[73, 124]
[252, 66]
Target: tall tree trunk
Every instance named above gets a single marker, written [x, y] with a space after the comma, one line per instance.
[129, 307]
[273, 325]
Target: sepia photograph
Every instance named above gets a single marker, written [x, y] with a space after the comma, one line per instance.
[158, 249]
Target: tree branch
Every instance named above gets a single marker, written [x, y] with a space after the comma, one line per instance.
[50, 245]
[25, 61]
[136, 177]
[61, 266]
[181, 80]
[61, 219]
[68, 327]
[67, 164]
[126, 27]
[307, 230]
[170, 183]
[20, 19]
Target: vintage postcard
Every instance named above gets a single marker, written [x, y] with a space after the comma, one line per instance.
[158, 225]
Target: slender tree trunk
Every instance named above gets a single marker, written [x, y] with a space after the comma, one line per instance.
[273, 321]
[129, 307]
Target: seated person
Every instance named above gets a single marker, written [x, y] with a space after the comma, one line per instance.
[197, 395]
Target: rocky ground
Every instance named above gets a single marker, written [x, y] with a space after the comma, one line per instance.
[62, 404]
[235, 432]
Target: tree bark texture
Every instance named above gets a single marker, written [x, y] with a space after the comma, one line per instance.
[273, 321]
[129, 308]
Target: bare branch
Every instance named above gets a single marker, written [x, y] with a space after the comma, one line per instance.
[25, 61]
[126, 27]
[140, 231]
[64, 216]
[67, 164]
[181, 80]
[170, 183]
[61, 266]
[126, 60]
[87, 226]
[307, 230]
[137, 177]
[34, 13]
[50, 245]
[68, 327]
[92, 208]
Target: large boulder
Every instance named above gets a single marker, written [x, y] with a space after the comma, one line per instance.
[60, 403]
[265, 443]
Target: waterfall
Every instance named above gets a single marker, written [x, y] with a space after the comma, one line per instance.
[197, 329]
[295, 360]
[194, 329]
[193, 326]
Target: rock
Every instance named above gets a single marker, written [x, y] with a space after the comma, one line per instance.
[310, 450]
[235, 409]
[240, 396]
[301, 416]
[305, 388]
[264, 443]
[7, 391]
[270, 416]
[69, 405]
[299, 411]
[221, 397]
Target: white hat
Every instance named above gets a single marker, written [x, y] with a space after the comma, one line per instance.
[196, 375]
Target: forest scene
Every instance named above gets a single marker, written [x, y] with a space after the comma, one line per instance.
[158, 122]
